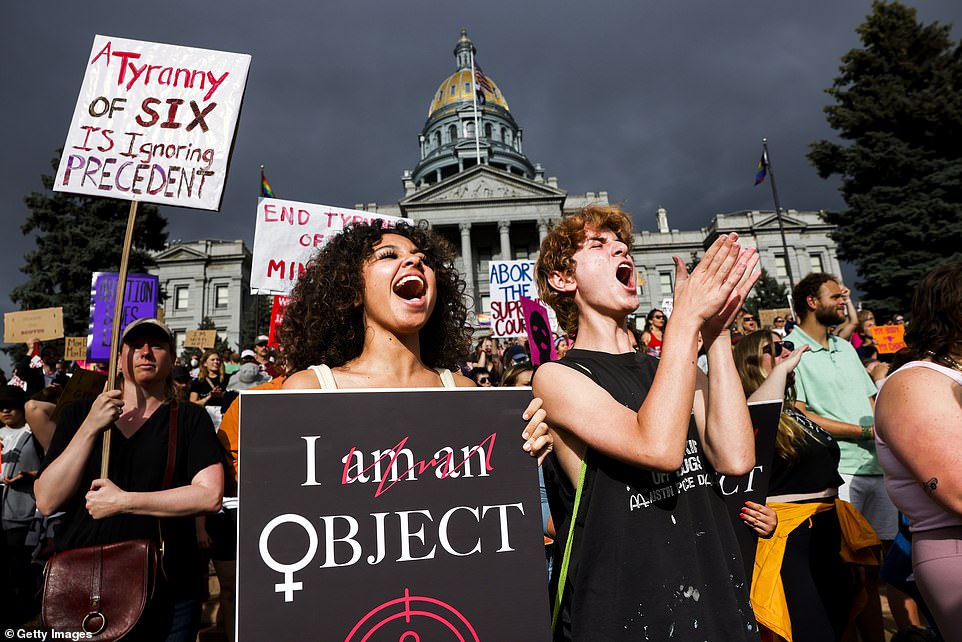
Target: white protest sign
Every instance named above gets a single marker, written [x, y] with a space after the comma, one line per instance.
[154, 123]
[286, 235]
[666, 306]
[508, 282]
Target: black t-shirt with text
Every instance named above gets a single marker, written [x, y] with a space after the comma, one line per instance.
[654, 556]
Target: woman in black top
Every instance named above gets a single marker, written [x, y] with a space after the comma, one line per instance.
[818, 588]
[208, 390]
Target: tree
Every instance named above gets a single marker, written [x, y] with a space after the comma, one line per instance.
[767, 294]
[257, 321]
[898, 100]
[77, 235]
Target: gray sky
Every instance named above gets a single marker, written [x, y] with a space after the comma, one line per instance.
[661, 104]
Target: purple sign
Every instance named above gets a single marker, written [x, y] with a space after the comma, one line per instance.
[140, 301]
[540, 340]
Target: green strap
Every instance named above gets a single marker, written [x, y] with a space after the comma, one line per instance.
[567, 556]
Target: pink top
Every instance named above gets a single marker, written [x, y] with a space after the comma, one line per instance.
[924, 513]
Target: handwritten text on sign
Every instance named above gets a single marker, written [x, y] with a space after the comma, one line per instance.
[154, 123]
[287, 234]
[509, 281]
[141, 294]
[889, 339]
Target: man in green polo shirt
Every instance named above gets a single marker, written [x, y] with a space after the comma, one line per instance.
[835, 391]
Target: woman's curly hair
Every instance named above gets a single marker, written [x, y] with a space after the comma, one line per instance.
[324, 324]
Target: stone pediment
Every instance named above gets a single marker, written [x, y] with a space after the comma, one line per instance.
[771, 222]
[482, 183]
[179, 253]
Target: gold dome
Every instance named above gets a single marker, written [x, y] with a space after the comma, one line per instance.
[458, 88]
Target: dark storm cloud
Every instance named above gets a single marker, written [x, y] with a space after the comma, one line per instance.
[657, 103]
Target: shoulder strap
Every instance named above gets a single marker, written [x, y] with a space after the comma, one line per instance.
[325, 378]
[567, 556]
[446, 377]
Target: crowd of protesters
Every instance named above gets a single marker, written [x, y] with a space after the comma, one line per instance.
[623, 412]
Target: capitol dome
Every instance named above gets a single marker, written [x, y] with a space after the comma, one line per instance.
[465, 128]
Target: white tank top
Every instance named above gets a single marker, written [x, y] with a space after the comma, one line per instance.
[325, 378]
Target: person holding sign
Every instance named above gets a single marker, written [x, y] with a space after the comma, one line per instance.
[130, 503]
[384, 308]
[645, 547]
[918, 421]
[802, 586]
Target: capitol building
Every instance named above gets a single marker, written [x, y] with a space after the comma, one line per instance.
[474, 184]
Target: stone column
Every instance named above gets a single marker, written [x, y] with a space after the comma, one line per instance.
[467, 260]
[504, 227]
[542, 230]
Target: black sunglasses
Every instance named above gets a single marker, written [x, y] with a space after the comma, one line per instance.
[657, 316]
[780, 346]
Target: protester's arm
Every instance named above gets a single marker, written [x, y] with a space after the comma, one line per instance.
[38, 415]
[847, 329]
[60, 480]
[920, 417]
[760, 518]
[202, 495]
[721, 413]
[773, 388]
[832, 426]
[196, 398]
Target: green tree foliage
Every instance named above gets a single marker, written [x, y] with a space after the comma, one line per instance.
[75, 236]
[898, 106]
[257, 320]
[767, 294]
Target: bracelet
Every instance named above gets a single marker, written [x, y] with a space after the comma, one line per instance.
[867, 432]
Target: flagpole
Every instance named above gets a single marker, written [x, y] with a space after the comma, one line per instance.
[778, 215]
[474, 100]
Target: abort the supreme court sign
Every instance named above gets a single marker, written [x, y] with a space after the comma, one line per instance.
[389, 515]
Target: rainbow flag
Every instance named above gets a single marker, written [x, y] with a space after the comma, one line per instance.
[762, 170]
[266, 190]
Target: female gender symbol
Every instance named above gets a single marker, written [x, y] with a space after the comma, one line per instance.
[288, 586]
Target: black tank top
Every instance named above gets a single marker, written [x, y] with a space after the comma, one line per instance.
[654, 555]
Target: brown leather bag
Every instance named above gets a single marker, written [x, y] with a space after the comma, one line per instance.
[104, 590]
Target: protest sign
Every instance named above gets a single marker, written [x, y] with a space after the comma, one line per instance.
[154, 122]
[202, 339]
[509, 281]
[75, 349]
[83, 384]
[766, 318]
[363, 517]
[752, 487]
[888, 338]
[286, 235]
[278, 310]
[32, 325]
[141, 294]
[540, 339]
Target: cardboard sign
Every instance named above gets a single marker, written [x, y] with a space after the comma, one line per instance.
[75, 349]
[154, 123]
[766, 318]
[287, 234]
[32, 325]
[540, 339]
[278, 310]
[363, 517]
[888, 338]
[141, 294]
[509, 281]
[753, 486]
[203, 339]
[83, 384]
